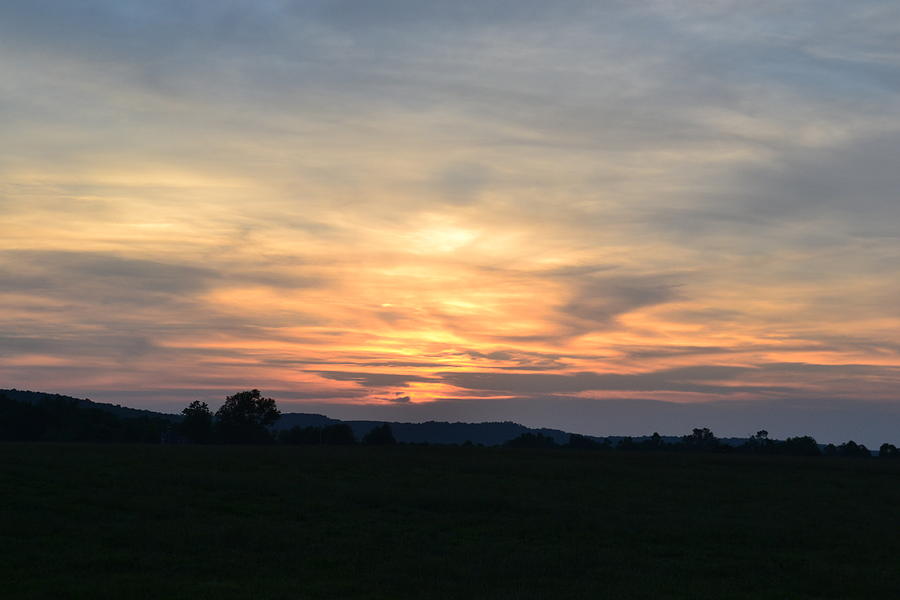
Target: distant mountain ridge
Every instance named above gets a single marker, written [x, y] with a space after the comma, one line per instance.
[490, 433]
[430, 432]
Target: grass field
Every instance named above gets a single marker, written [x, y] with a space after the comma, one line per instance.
[92, 521]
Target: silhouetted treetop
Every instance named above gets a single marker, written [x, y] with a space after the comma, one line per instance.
[245, 417]
[803, 445]
[853, 450]
[381, 435]
[197, 424]
[701, 438]
[888, 451]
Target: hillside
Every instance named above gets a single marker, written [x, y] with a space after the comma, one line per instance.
[123, 412]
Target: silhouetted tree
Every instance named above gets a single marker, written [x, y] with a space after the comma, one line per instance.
[700, 439]
[653, 443]
[531, 440]
[853, 450]
[381, 435]
[888, 451]
[798, 446]
[197, 422]
[758, 443]
[246, 418]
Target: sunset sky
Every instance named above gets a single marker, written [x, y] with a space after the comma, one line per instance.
[607, 217]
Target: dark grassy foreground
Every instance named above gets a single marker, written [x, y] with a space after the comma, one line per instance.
[90, 521]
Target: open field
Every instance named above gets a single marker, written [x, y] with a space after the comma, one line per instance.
[192, 522]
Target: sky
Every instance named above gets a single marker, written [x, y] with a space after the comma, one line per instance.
[607, 217]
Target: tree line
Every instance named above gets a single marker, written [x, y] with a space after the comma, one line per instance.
[244, 418]
[248, 418]
[704, 440]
